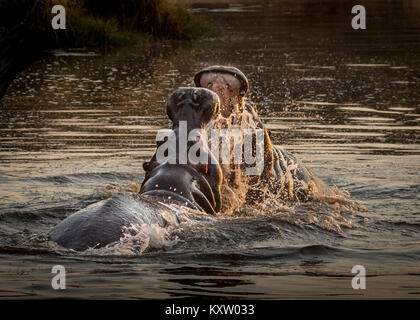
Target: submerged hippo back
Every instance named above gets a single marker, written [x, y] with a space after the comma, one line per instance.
[103, 222]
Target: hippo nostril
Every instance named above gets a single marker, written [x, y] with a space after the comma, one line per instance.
[195, 96]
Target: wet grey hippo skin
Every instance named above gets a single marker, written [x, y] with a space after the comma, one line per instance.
[286, 169]
[199, 183]
[197, 187]
[287, 166]
[103, 222]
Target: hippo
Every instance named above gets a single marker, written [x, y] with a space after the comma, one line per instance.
[200, 183]
[194, 186]
[282, 171]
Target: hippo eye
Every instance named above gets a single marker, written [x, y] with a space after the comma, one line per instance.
[209, 85]
[180, 96]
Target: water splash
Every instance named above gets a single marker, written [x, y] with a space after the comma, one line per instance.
[235, 183]
[137, 238]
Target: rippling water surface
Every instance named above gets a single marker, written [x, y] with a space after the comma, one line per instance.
[76, 127]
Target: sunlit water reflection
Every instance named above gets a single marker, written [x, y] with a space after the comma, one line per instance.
[76, 127]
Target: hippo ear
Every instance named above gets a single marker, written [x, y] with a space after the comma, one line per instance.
[217, 108]
[169, 108]
[173, 103]
[203, 168]
[149, 166]
[210, 111]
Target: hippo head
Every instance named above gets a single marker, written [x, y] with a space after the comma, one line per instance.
[193, 106]
[197, 183]
[196, 106]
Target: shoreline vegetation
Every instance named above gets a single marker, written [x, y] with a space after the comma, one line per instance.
[27, 35]
[104, 24]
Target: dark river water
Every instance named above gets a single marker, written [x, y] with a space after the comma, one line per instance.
[76, 127]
